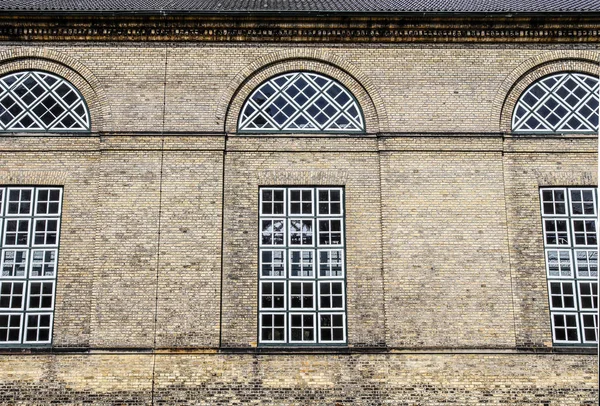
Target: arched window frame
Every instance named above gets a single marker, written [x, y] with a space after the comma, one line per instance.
[8, 92]
[245, 119]
[528, 111]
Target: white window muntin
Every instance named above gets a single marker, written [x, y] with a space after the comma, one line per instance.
[301, 202]
[312, 295]
[554, 203]
[272, 202]
[559, 235]
[329, 263]
[300, 101]
[330, 232]
[562, 295]
[303, 233]
[585, 203]
[5, 261]
[331, 295]
[302, 263]
[584, 327]
[273, 295]
[564, 263]
[575, 328]
[51, 295]
[9, 293]
[19, 202]
[272, 327]
[343, 318]
[38, 327]
[53, 261]
[303, 327]
[311, 312]
[273, 232]
[50, 201]
[49, 110]
[588, 263]
[1, 205]
[18, 233]
[329, 202]
[5, 330]
[589, 233]
[45, 232]
[532, 104]
[272, 264]
[588, 290]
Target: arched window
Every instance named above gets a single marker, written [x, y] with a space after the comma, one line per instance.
[301, 102]
[40, 101]
[559, 103]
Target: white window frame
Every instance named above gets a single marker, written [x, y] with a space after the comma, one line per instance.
[594, 327]
[31, 263]
[324, 313]
[3, 242]
[556, 233]
[3, 262]
[261, 264]
[261, 327]
[8, 190]
[582, 202]
[559, 251]
[12, 295]
[291, 251]
[48, 189]
[9, 314]
[562, 295]
[331, 295]
[302, 233]
[39, 314]
[330, 250]
[314, 326]
[576, 328]
[52, 296]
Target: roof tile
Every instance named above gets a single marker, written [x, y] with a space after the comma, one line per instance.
[307, 6]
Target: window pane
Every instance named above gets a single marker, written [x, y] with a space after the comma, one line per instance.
[295, 102]
[560, 103]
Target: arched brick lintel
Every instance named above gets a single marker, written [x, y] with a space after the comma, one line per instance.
[533, 69]
[249, 78]
[19, 59]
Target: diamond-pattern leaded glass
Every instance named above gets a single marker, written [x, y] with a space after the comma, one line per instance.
[560, 103]
[40, 101]
[301, 102]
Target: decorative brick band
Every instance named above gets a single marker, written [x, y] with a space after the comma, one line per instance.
[561, 178]
[26, 58]
[302, 178]
[334, 28]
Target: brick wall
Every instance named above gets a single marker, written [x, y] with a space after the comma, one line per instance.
[159, 230]
[208, 379]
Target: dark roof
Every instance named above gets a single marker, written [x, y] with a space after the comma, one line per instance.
[301, 6]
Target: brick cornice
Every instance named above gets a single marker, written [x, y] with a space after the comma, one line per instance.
[340, 29]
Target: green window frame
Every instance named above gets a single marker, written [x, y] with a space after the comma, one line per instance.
[302, 272]
[30, 220]
[569, 222]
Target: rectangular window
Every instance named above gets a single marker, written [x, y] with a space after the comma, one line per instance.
[302, 281]
[569, 221]
[29, 233]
